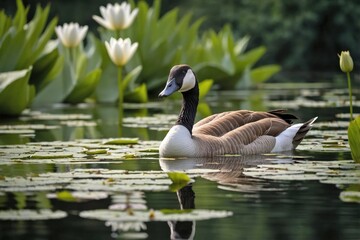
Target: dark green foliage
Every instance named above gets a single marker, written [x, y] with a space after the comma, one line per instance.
[299, 35]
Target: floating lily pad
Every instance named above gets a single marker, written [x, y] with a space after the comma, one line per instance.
[350, 196]
[332, 172]
[47, 155]
[77, 196]
[80, 151]
[156, 215]
[35, 115]
[122, 141]
[31, 215]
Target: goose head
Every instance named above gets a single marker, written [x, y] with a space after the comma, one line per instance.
[181, 79]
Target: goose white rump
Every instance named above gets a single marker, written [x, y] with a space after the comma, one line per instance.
[234, 132]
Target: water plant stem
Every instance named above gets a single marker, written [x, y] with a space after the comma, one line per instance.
[350, 95]
[121, 98]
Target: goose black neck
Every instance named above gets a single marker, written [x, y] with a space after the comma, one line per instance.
[189, 107]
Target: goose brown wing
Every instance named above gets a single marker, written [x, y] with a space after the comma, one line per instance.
[251, 138]
[223, 123]
[251, 131]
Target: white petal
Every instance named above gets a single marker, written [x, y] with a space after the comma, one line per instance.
[102, 22]
[82, 33]
[132, 50]
[104, 12]
[118, 55]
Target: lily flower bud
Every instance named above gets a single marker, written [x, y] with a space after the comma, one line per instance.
[71, 34]
[121, 50]
[346, 62]
[117, 16]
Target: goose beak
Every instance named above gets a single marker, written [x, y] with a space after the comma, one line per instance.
[169, 89]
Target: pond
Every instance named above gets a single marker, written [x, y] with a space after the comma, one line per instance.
[66, 173]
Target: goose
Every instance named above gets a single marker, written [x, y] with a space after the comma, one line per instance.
[240, 132]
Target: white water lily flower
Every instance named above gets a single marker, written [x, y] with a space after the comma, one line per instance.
[121, 50]
[71, 34]
[116, 17]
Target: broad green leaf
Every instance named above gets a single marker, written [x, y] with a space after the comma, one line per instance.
[11, 49]
[354, 138]
[21, 14]
[84, 87]
[107, 89]
[263, 73]
[58, 89]
[130, 78]
[47, 67]
[138, 95]
[15, 92]
[205, 87]
[5, 23]
[249, 58]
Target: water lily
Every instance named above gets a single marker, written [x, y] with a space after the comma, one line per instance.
[121, 50]
[117, 16]
[346, 62]
[347, 65]
[71, 34]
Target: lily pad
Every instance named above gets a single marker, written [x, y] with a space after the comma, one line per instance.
[332, 172]
[31, 215]
[350, 196]
[155, 215]
[122, 141]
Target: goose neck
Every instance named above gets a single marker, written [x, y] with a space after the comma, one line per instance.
[189, 108]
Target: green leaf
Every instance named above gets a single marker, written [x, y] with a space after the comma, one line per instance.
[122, 141]
[138, 95]
[179, 180]
[84, 87]
[58, 89]
[354, 138]
[205, 87]
[47, 67]
[15, 92]
[11, 49]
[107, 89]
[130, 78]
[263, 73]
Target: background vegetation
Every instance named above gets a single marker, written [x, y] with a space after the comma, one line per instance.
[299, 35]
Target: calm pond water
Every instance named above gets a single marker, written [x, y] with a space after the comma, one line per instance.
[236, 205]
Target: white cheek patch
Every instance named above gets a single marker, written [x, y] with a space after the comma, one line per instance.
[188, 81]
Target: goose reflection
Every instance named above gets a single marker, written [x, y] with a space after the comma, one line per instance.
[184, 229]
[228, 172]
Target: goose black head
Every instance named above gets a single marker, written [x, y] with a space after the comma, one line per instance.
[181, 78]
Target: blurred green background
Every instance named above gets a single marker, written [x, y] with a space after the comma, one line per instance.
[302, 36]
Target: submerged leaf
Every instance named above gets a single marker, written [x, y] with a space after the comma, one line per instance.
[179, 180]
[354, 138]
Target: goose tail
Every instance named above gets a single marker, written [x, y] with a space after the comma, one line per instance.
[303, 130]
